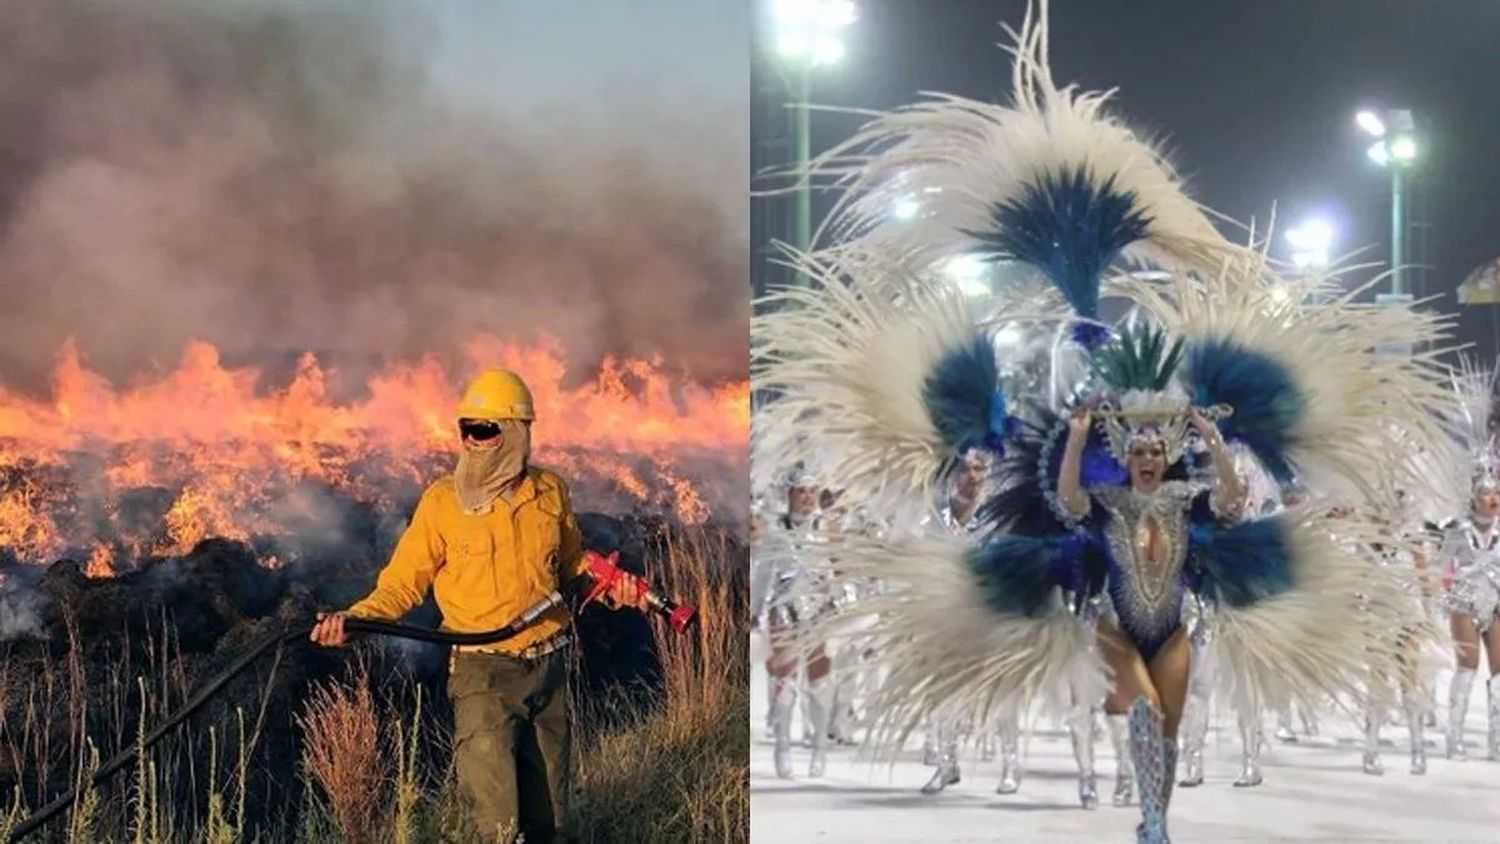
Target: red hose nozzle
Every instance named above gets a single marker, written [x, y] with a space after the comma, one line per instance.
[606, 572]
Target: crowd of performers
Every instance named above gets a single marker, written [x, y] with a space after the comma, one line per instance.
[1102, 490]
[1455, 577]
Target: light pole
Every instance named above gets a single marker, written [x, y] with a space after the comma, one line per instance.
[807, 35]
[1395, 149]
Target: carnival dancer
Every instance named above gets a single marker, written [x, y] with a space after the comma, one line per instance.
[1471, 556]
[799, 594]
[1405, 660]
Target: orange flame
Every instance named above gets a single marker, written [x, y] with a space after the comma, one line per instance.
[224, 445]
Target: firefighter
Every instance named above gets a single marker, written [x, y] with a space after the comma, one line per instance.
[489, 540]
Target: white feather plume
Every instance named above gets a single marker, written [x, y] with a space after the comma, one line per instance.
[941, 647]
[848, 358]
[1324, 637]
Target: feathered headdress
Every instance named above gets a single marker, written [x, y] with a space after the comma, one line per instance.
[1142, 399]
[1474, 429]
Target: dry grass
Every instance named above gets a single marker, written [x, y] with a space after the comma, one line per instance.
[678, 772]
[342, 753]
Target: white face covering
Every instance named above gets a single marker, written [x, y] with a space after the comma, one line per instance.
[486, 473]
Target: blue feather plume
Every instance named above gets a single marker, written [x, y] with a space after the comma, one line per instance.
[1017, 573]
[1267, 402]
[1245, 562]
[964, 399]
[1072, 228]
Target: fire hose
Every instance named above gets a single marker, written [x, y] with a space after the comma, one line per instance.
[603, 574]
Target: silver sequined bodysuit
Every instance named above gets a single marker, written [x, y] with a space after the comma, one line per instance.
[1146, 583]
[792, 550]
[1476, 572]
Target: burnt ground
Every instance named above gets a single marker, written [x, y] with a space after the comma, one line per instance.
[71, 638]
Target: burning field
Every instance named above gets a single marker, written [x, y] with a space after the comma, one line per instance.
[205, 451]
[248, 254]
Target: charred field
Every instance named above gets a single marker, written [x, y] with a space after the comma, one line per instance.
[348, 744]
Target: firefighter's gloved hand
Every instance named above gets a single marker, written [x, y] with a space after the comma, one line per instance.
[625, 593]
[329, 631]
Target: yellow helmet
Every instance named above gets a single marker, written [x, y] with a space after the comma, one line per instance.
[497, 394]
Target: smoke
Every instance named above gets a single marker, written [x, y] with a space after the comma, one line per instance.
[21, 609]
[275, 177]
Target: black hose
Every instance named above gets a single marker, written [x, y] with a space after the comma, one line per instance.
[291, 634]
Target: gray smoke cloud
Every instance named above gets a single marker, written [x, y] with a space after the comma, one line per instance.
[20, 611]
[375, 181]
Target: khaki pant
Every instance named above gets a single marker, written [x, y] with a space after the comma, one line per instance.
[512, 743]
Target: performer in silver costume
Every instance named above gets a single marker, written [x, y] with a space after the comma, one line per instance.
[961, 516]
[791, 548]
[1196, 713]
[1471, 558]
[1406, 664]
[1264, 497]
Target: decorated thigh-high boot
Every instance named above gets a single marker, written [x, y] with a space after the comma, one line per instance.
[1415, 711]
[1458, 706]
[1010, 756]
[1370, 762]
[783, 698]
[771, 686]
[1284, 732]
[1081, 731]
[1155, 758]
[1494, 719]
[946, 739]
[1119, 735]
[1194, 733]
[1252, 740]
[819, 712]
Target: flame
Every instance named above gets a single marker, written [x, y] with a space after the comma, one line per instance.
[213, 451]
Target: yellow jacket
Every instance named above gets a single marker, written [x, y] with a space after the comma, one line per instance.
[484, 570]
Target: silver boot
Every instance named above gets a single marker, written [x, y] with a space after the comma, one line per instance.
[1081, 731]
[771, 686]
[1494, 712]
[1010, 758]
[1284, 732]
[1154, 759]
[1414, 723]
[1252, 739]
[1119, 735]
[1458, 706]
[930, 747]
[1371, 762]
[987, 746]
[820, 712]
[1309, 724]
[782, 700]
[1195, 731]
[947, 769]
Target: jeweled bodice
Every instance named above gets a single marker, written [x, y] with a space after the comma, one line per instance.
[1147, 536]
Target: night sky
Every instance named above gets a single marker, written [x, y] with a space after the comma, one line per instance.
[1255, 102]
